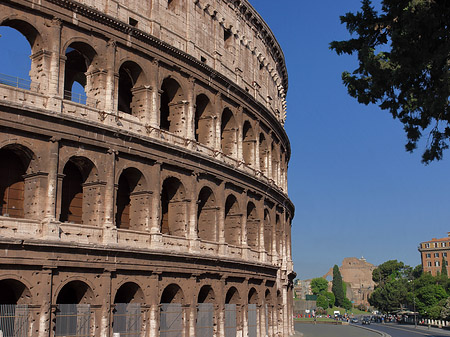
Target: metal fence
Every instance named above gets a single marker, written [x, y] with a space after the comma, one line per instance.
[230, 320]
[171, 320]
[252, 321]
[127, 319]
[15, 82]
[73, 320]
[74, 97]
[13, 320]
[205, 320]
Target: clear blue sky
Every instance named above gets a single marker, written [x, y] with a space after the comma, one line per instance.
[356, 191]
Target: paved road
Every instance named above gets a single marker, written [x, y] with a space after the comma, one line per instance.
[331, 330]
[400, 330]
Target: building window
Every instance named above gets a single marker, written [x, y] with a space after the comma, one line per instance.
[436, 254]
[429, 263]
[435, 245]
[437, 264]
[443, 244]
[428, 255]
[444, 254]
[427, 245]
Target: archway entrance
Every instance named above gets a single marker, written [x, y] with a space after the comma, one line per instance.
[127, 310]
[14, 299]
[73, 310]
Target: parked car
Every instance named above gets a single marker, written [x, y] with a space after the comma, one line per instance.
[354, 320]
[365, 320]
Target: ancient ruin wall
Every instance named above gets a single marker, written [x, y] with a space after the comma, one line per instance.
[164, 183]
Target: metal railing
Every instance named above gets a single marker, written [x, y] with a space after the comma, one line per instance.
[15, 82]
[13, 320]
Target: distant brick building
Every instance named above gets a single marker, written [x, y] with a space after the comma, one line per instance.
[432, 252]
[357, 273]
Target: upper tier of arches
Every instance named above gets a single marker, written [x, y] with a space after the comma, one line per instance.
[125, 87]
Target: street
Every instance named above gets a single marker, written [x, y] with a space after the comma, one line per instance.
[331, 330]
[400, 330]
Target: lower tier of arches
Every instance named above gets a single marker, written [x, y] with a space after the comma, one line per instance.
[69, 291]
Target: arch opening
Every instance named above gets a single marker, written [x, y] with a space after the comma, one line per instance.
[132, 95]
[206, 215]
[78, 200]
[233, 224]
[130, 202]
[127, 310]
[252, 226]
[248, 144]
[204, 127]
[228, 131]
[267, 232]
[12, 184]
[172, 107]
[173, 208]
[263, 154]
[16, 41]
[79, 62]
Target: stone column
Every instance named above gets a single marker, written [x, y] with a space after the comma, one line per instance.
[105, 296]
[153, 300]
[155, 220]
[192, 233]
[110, 230]
[217, 123]
[190, 116]
[35, 186]
[239, 155]
[52, 184]
[221, 220]
[155, 95]
[110, 87]
[45, 318]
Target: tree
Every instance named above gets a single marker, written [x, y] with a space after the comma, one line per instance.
[319, 285]
[337, 286]
[403, 55]
[322, 302]
[381, 273]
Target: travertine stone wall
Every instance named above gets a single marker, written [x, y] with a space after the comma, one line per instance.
[165, 182]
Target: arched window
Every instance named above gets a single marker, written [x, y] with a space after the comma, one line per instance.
[172, 109]
[171, 314]
[267, 232]
[263, 154]
[232, 221]
[252, 312]
[79, 61]
[12, 170]
[232, 312]
[206, 318]
[228, 131]
[207, 215]
[73, 310]
[279, 235]
[130, 212]
[275, 163]
[204, 122]
[79, 203]
[127, 310]
[173, 208]
[248, 144]
[15, 53]
[252, 226]
[133, 95]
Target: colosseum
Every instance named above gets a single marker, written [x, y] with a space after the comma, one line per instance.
[153, 200]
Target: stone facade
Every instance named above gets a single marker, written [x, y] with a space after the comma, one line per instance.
[432, 254]
[357, 273]
[163, 190]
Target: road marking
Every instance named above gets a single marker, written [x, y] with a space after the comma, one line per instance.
[413, 331]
